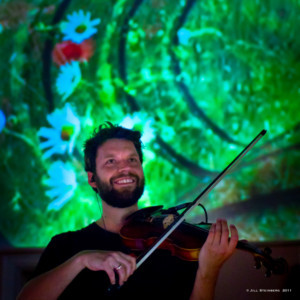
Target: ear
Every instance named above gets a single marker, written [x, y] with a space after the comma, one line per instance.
[91, 179]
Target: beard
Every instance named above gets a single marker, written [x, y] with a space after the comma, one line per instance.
[120, 199]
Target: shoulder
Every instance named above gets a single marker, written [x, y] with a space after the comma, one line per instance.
[70, 235]
[75, 241]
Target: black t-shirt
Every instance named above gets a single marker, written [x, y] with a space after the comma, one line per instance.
[162, 276]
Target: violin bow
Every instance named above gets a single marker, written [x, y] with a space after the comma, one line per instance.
[144, 256]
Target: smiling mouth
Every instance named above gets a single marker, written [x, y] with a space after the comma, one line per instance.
[124, 181]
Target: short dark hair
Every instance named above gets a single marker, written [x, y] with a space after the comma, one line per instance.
[105, 132]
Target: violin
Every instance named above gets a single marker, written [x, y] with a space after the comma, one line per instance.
[149, 229]
[143, 228]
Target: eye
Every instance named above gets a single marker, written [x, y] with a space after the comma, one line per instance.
[133, 159]
[110, 161]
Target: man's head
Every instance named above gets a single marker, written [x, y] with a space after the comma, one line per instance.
[113, 161]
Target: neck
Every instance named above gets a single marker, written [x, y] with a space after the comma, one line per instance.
[113, 218]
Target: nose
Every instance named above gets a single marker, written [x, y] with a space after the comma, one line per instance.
[123, 165]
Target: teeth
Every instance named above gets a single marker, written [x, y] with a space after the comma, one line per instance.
[125, 181]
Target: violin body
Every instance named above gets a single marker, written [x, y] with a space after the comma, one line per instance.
[144, 227]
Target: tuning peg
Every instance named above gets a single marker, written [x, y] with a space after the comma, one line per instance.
[267, 251]
[268, 273]
[257, 264]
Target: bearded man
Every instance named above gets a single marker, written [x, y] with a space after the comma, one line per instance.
[84, 263]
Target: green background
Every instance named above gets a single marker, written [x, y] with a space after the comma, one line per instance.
[200, 78]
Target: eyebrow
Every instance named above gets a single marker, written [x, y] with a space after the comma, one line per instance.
[113, 155]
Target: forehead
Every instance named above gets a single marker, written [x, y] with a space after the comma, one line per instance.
[113, 147]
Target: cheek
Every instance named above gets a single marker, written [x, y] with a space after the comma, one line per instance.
[140, 172]
[104, 175]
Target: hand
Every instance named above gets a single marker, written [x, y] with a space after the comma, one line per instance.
[110, 262]
[217, 248]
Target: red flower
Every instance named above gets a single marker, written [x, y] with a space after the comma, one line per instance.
[67, 51]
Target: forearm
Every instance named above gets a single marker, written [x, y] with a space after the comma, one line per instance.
[51, 284]
[204, 286]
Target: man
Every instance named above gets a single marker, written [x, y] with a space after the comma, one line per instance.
[83, 264]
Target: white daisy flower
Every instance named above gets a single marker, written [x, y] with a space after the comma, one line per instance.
[60, 138]
[137, 119]
[184, 36]
[79, 27]
[68, 79]
[62, 184]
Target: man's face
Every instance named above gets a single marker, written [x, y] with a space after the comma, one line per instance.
[119, 173]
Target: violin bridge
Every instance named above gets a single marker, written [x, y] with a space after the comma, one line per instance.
[168, 220]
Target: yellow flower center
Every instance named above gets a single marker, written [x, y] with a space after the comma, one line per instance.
[81, 28]
[66, 132]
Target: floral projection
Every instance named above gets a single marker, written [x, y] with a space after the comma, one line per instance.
[200, 78]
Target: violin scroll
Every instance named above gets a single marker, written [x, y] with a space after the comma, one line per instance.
[263, 258]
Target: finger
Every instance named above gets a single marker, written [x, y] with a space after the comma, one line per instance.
[111, 266]
[126, 263]
[131, 263]
[234, 237]
[224, 233]
[218, 232]
[111, 275]
[121, 274]
[211, 233]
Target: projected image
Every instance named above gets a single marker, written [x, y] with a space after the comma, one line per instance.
[200, 79]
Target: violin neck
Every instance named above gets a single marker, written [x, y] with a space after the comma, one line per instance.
[243, 245]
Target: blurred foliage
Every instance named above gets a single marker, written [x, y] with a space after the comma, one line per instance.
[200, 78]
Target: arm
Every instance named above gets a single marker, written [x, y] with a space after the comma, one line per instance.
[52, 283]
[216, 250]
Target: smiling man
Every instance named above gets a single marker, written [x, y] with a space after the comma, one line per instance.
[84, 263]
